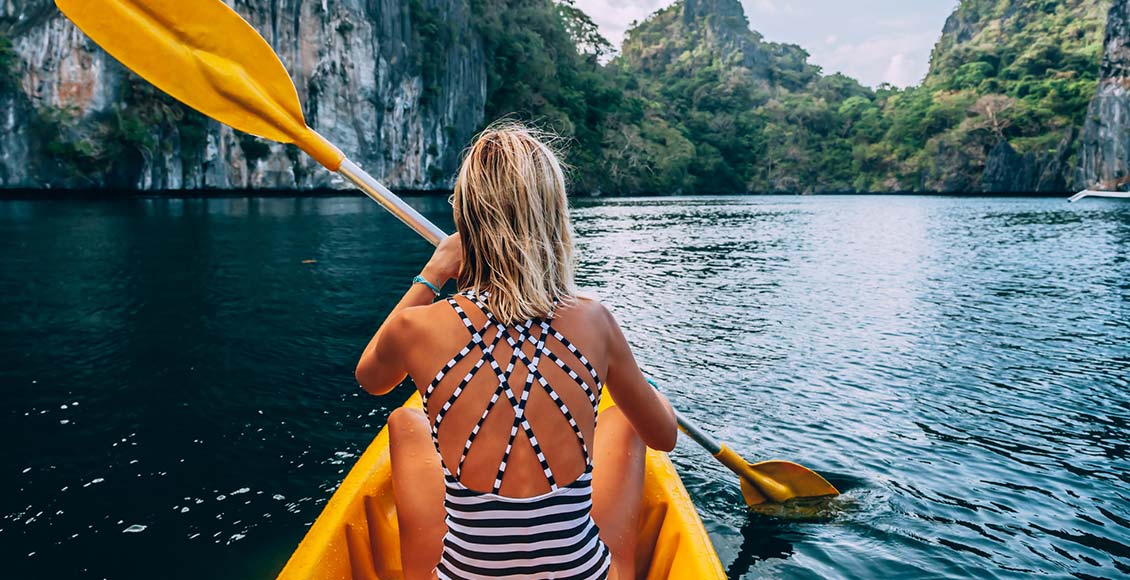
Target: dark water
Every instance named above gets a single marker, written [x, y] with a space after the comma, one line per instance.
[177, 399]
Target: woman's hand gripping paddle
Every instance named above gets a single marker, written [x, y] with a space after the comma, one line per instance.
[205, 55]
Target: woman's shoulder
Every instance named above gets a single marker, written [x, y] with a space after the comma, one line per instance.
[586, 308]
[414, 321]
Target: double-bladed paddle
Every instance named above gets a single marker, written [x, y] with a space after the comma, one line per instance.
[205, 55]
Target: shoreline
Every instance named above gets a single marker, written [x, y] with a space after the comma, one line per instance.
[112, 194]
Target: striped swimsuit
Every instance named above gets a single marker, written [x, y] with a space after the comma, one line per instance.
[550, 536]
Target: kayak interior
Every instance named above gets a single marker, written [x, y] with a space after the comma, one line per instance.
[356, 536]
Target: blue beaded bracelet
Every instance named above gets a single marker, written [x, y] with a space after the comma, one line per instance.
[424, 281]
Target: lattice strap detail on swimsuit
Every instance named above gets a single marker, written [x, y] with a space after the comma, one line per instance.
[476, 340]
[594, 396]
[520, 411]
[573, 350]
[518, 404]
[536, 374]
[503, 381]
[488, 357]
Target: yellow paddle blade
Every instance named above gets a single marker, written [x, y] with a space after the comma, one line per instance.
[797, 481]
[205, 55]
[771, 481]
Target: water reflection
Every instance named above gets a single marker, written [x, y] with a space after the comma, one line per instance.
[966, 358]
[959, 367]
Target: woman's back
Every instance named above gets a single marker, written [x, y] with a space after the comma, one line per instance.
[518, 498]
[560, 398]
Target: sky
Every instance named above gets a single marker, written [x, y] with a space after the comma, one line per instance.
[874, 41]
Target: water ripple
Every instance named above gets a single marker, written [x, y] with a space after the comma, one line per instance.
[181, 370]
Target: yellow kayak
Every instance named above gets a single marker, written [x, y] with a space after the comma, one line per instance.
[356, 536]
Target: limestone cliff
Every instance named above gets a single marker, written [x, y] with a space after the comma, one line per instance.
[1038, 61]
[1105, 151]
[399, 86]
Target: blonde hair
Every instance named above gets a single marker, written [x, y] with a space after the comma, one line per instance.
[512, 211]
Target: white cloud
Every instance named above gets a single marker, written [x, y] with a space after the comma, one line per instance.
[831, 39]
[615, 17]
[901, 72]
[901, 59]
[764, 7]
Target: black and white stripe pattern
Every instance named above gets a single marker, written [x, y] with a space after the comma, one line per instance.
[551, 536]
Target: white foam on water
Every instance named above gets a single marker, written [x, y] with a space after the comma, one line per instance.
[134, 529]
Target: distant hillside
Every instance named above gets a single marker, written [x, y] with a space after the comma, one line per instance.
[1008, 88]
[750, 115]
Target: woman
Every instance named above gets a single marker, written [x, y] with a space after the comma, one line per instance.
[506, 474]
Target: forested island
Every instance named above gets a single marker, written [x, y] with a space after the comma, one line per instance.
[1021, 96]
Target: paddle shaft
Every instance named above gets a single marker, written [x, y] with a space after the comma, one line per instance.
[390, 201]
[732, 460]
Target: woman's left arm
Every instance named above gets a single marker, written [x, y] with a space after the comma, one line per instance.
[382, 366]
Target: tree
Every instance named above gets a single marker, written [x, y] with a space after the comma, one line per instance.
[584, 32]
[992, 113]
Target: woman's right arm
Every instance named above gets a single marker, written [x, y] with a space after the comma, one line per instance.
[647, 409]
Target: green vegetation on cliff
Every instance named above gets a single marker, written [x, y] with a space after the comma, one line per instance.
[750, 115]
[9, 63]
[696, 102]
[105, 150]
[1020, 72]
[543, 66]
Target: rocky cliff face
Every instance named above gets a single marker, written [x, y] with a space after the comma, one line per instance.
[399, 86]
[1105, 152]
[1042, 56]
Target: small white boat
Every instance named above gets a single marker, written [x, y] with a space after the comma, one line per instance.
[1093, 193]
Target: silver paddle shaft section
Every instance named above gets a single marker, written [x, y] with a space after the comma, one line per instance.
[390, 201]
[700, 436]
